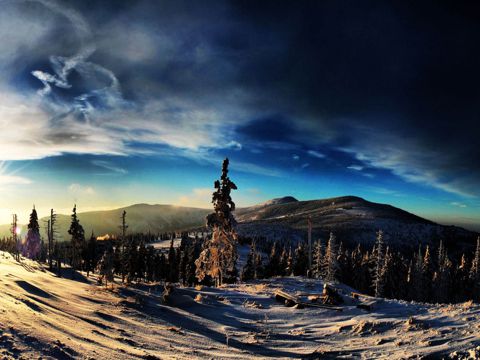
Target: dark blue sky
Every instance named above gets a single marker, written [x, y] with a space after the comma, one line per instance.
[108, 103]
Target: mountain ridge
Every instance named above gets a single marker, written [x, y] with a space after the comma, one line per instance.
[352, 219]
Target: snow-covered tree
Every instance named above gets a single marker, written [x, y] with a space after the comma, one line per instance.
[105, 266]
[378, 279]
[318, 259]
[33, 244]
[331, 261]
[427, 275]
[219, 257]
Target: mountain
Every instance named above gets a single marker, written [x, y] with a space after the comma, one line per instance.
[352, 219]
[140, 218]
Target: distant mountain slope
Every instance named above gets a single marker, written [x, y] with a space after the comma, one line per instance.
[140, 218]
[351, 218]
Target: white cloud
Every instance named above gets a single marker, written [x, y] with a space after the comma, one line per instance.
[112, 168]
[458, 204]
[355, 167]
[78, 189]
[14, 180]
[316, 154]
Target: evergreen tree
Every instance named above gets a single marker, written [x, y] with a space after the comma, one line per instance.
[91, 254]
[250, 270]
[272, 268]
[193, 253]
[77, 239]
[289, 268]
[32, 246]
[318, 260]
[105, 266]
[427, 276]
[301, 261]
[378, 278]
[331, 262]
[462, 285]
[219, 256]
[282, 267]
[172, 264]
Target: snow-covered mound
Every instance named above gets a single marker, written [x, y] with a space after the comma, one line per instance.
[43, 316]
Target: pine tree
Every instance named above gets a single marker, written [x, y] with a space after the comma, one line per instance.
[32, 246]
[105, 266]
[289, 268]
[301, 261]
[272, 268]
[443, 277]
[91, 254]
[78, 239]
[282, 267]
[378, 278]
[331, 262]
[219, 256]
[249, 271]
[461, 284]
[427, 276]
[318, 260]
[172, 264]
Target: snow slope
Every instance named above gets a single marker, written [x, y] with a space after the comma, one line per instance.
[44, 316]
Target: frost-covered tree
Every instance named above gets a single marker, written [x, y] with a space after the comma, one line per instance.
[105, 267]
[33, 244]
[378, 278]
[427, 275]
[331, 261]
[317, 263]
[218, 259]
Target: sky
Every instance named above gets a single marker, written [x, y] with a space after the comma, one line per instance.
[110, 103]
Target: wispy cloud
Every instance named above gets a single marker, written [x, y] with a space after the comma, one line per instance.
[112, 168]
[14, 180]
[316, 154]
[458, 204]
[355, 167]
[78, 189]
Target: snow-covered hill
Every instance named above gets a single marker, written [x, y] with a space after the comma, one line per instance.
[352, 219]
[43, 316]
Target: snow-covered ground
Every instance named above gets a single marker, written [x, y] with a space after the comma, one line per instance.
[44, 316]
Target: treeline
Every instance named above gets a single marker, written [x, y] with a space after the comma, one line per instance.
[428, 275]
